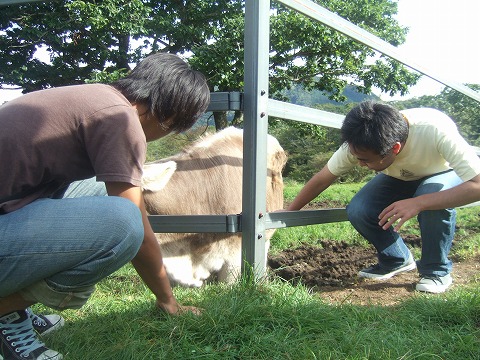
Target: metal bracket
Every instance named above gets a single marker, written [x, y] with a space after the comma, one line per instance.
[225, 101]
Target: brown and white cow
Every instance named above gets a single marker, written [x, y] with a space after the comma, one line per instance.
[206, 178]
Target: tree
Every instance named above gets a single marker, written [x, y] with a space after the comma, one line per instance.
[91, 39]
[462, 109]
[80, 38]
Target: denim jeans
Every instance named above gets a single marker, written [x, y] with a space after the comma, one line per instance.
[55, 250]
[437, 227]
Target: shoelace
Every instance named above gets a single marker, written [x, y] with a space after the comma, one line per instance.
[38, 321]
[435, 279]
[22, 337]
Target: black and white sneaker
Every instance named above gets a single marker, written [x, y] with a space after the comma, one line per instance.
[376, 272]
[45, 324]
[18, 340]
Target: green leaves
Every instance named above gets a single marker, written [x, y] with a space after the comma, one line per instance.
[91, 39]
[115, 16]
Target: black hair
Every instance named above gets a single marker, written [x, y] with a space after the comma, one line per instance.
[169, 88]
[374, 126]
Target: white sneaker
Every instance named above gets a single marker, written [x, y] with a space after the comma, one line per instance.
[434, 284]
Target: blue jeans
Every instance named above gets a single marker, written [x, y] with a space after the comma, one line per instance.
[437, 227]
[55, 250]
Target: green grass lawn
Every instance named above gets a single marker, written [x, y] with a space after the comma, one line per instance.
[271, 319]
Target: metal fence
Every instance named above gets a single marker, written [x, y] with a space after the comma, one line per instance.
[257, 107]
[254, 219]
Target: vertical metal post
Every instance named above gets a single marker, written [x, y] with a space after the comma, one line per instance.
[257, 36]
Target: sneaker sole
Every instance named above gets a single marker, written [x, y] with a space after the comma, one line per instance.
[423, 288]
[409, 267]
[433, 289]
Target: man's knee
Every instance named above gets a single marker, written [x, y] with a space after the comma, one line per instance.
[357, 210]
[125, 223]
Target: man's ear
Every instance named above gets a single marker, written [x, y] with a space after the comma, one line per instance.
[397, 147]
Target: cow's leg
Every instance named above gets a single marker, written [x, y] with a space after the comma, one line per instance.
[180, 271]
[231, 253]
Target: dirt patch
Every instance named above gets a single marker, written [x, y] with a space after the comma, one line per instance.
[331, 269]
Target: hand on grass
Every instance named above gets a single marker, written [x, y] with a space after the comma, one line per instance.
[177, 309]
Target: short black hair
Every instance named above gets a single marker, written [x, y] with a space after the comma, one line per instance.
[169, 88]
[374, 126]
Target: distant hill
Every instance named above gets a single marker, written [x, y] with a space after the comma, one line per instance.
[298, 96]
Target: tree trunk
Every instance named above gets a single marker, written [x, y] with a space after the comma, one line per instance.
[220, 118]
[237, 118]
[123, 44]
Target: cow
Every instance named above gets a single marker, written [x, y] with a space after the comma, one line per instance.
[206, 179]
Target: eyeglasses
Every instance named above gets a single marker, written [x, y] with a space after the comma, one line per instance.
[164, 127]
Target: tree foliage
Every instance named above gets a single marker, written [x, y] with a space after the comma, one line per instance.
[92, 39]
[462, 109]
[465, 111]
[79, 37]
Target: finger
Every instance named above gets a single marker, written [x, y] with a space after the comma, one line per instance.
[391, 215]
[389, 220]
[386, 211]
[399, 224]
[192, 309]
[386, 218]
[386, 225]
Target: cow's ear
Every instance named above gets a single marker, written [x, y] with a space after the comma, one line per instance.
[156, 175]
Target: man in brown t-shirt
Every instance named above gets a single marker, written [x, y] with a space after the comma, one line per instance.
[53, 248]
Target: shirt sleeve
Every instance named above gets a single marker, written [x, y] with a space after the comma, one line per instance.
[341, 161]
[461, 157]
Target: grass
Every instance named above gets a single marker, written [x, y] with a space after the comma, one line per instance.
[270, 319]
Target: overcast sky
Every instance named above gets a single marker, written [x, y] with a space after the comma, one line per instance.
[443, 36]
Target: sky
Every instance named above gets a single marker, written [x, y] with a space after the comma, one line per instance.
[443, 36]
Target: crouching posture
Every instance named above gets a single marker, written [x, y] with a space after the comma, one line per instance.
[425, 169]
[206, 178]
[58, 236]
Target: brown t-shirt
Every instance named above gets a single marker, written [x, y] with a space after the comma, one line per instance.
[52, 137]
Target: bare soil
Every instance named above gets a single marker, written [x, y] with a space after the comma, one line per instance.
[330, 269]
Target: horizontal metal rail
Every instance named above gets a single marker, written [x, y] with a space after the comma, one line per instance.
[12, 2]
[305, 114]
[276, 220]
[233, 223]
[195, 223]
